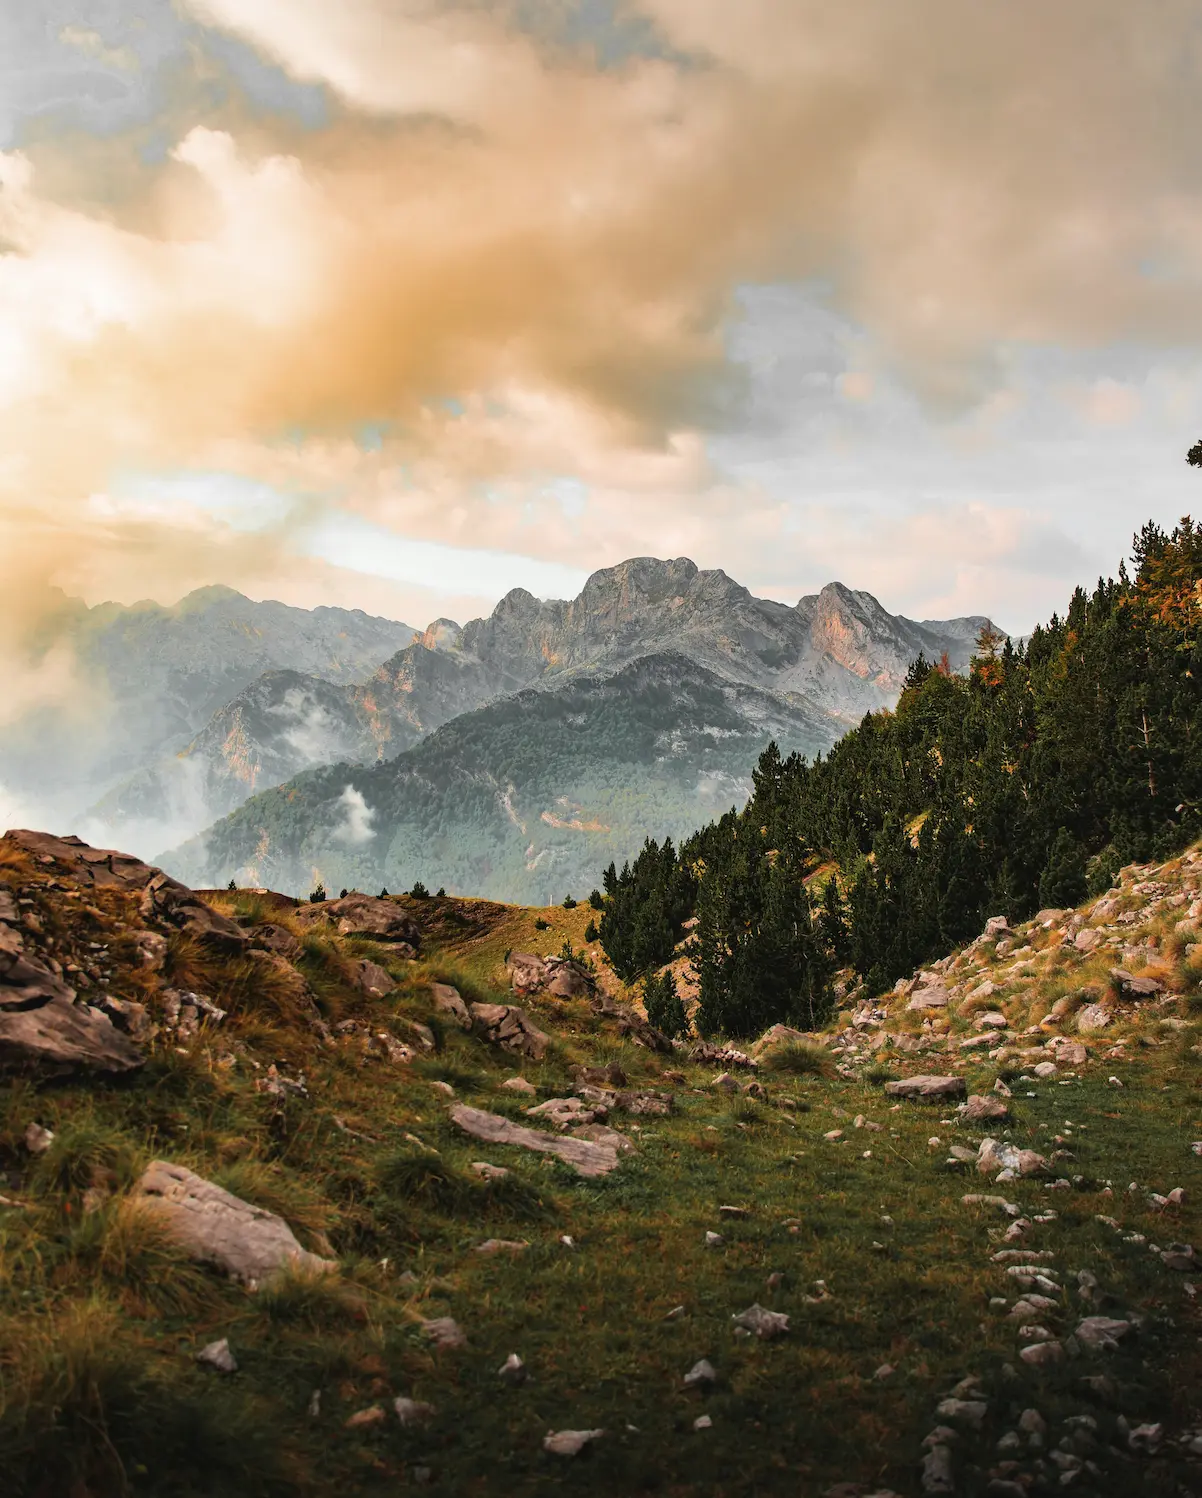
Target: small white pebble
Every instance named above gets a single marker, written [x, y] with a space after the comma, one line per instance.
[702, 1422]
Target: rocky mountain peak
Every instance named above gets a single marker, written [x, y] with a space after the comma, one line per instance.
[442, 634]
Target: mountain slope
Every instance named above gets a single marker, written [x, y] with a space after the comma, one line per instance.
[529, 796]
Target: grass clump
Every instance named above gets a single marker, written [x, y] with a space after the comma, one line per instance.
[798, 1058]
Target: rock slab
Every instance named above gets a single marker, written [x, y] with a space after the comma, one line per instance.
[585, 1156]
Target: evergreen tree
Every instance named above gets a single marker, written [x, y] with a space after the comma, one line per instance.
[664, 1008]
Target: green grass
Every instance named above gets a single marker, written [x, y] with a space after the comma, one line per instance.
[100, 1316]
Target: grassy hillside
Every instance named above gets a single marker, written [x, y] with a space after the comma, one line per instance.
[851, 1221]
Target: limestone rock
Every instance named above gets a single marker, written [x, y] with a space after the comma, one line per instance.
[1101, 1333]
[527, 972]
[370, 978]
[933, 995]
[933, 1089]
[413, 1411]
[363, 915]
[36, 1139]
[762, 1323]
[1068, 1052]
[1042, 1354]
[779, 1035]
[994, 1155]
[725, 1083]
[569, 1442]
[701, 1373]
[512, 1370]
[449, 1002]
[174, 904]
[519, 1084]
[218, 1355]
[41, 1027]
[567, 979]
[215, 1227]
[1088, 939]
[511, 1028]
[277, 939]
[1135, 988]
[1092, 1018]
[984, 1109]
[586, 1157]
[600, 1134]
[444, 1332]
[152, 950]
[644, 1103]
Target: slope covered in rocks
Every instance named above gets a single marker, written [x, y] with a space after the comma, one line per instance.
[385, 1193]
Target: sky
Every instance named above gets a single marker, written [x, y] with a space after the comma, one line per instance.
[398, 304]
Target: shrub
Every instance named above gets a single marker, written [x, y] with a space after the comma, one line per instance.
[590, 932]
[541, 925]
[317, 896]
[442, 893]
[344, 894]
[384, 893]
[596, 899]
[419, 891]
[232, 886]
[569, 903]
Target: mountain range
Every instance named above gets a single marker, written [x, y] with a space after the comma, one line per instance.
[531, 785]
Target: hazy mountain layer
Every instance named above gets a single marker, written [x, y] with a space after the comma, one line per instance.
[839, 651]
[143, 680]
[526, 798]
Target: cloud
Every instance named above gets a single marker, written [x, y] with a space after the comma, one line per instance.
[517, 267]
[356, 828]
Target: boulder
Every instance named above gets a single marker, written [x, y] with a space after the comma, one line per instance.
[1068, 1052]
[984, 1109]
[215, 1227]
[585, 1156]
[1092, 1018]
[1130, 987]
[527, 972]
[647, 1103]
[996, 925]
[932, 995]
[449, 1003]
[994, 1155]
[167, 900]
[370, 978]
[1101, 1333]
[363, 915]
[779, 1035]
[569, 1442]
[993, 1019]
[933, 1089]
[762, 1323]
[277, 939]
[1088, 939]
[41, 1025]
[510, 1027]
[600, 1076]
[568, 979]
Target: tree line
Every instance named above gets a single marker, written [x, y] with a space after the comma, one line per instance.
[1026, 782]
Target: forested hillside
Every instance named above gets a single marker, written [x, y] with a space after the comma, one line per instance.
[1026, 782]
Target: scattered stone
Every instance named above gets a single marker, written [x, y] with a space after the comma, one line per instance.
[933, 1089]
[937, 1474]
[444, 1332]
[702, 1422]
[512, 1370]
[1068, 1052]
[313, 1408]
[833, 1135]
[502, 1246]
[1092, 1018]
[971, 1412]
[762, 1323]
[488, 1172]
[364, 1419]
[1045, 1070]
[412, 1411]
[569, 1442]
[1179, 1256]
[713, 1240]
[725, 1083]
[933, 995]
[214, 1227]
[736, 1213]
[886, 1370]
[1135, 988]
[983, 1109]
[587, 1158]
[449, 1002]
[444, 1087]
[268, 938]
[701, 1373]
[218, 1355]
[520, 1084]
[975, 1200]
[1101, 1333]
[1042, 1354]
[511, 1028]
[37, 1140]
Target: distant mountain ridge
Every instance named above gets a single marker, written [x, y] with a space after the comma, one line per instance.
[832, 657]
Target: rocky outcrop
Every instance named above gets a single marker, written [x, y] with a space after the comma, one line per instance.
[363, 915]
[511, 1028]
[562, 976]
[370, 978]
[216, 1228]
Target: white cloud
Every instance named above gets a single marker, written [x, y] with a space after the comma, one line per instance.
[356, 828]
